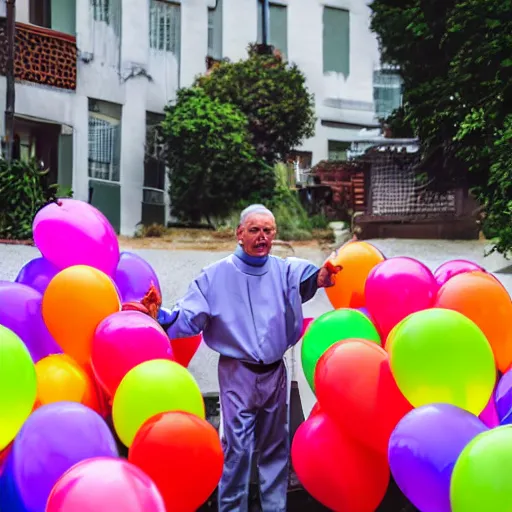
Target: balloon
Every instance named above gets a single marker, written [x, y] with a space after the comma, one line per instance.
[74, 303]
[52, 440]
[104, 485]
[315, 410]
[121, 342]
[3, 457]
[482, 476]
[439, 355]
[481, 298]
[184, 349]
[453, 268]
[336, 470]
[150, 388]
[357, 260]
[37, 273]
[194, 448]
[330, 328]
[396, 288]
[305, 326]
[134, 276]
[20, 312]
[18, 386]
[72, 232]
[423, 450]
[489, 416]
[503, 398]
[355, 387]
[61, 379]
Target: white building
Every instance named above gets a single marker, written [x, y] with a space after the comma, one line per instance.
[87, 118]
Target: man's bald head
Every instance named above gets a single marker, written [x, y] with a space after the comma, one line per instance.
[255, 209]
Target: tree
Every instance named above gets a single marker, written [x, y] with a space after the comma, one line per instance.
[212, 163]
[454, 56]
[273, 96]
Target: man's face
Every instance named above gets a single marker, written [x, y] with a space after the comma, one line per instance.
[257, 234]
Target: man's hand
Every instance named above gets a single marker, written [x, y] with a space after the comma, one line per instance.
[325, 276]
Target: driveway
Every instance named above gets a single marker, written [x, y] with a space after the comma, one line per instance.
[176, 269]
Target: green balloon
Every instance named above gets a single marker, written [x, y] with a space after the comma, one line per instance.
[151, 388]
[328, 329]
[18, 385]
[441, 356]
[482, 477]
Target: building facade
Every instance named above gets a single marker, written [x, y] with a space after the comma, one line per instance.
[94, 76]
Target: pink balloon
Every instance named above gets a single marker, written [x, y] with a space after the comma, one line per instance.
[305, 324]
[489, 415]
[453, 268]
[105, 485]
[124, 340]
[396, 288]
[73, 232]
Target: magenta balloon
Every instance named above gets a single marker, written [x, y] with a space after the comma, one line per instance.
[73, 232]
[134, 276]
[105, 484]
[37, 274]
[396, 288]
[453, 268]
[123, 341]
[20, 311]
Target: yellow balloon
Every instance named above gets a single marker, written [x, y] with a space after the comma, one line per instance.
[441, 356]
[18, 386]
[61, 379]
[149, 389]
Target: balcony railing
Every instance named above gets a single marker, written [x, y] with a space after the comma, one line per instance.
[42, 56]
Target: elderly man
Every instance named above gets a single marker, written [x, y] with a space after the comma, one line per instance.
[249, 307]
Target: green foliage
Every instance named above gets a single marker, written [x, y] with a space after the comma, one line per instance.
[454, 56]
[274, 97]
[23, 192]
[212, 162]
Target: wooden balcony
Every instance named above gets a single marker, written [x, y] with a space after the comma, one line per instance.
[42, 56]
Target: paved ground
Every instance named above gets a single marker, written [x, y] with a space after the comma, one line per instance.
[177, 268]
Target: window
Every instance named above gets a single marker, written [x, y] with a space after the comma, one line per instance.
[278, 28]
[215, 31]
[40, 13]
[101, 10]
[165, 26]
[104, 147]
[338, 150]
[387, 92]
[336, 41]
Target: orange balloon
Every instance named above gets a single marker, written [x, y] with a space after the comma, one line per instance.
[357, 260]
[355, 387]
[61, 379]
[483, 299]
[74, 303]
[182, 454]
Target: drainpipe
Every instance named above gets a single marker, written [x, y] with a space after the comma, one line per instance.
[265, 22]
[10, 91]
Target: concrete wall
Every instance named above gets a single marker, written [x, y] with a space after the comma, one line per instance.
[116, 69]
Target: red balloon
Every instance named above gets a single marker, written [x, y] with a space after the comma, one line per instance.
[316, 409]
[335, 469]
[184, 349]
[183, 455]
[354, 385]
